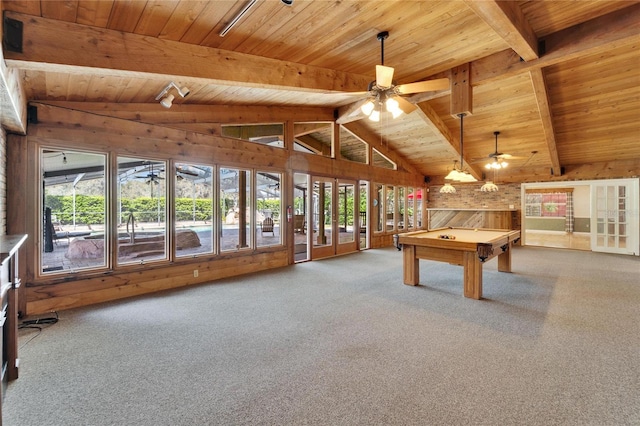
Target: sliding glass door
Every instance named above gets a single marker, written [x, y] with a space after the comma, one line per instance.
[333, 206]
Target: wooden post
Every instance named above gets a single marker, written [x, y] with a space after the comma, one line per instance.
[461, 91]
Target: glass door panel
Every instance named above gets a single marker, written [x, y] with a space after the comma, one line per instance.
[363, 213]
[300, 214]
[346, 203]
[612, 206]
[322, 216]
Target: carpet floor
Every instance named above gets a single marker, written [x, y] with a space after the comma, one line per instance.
[343, 342]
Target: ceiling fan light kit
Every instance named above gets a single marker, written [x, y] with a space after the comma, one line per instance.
[496, 165]
[385, 96]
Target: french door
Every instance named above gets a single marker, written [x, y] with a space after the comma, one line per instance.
[332, 211]
[614, 216]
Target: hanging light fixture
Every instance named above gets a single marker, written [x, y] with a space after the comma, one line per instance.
[489, 187]
[458, 174]
[498, 162]
[447, 188]
[382, 90]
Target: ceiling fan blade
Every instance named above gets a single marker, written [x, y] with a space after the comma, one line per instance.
[384, 76]
[423, 86]
[406, 106]
[510, 157]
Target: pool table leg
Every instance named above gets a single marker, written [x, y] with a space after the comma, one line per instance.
[504, 260]
[411, 265]
[472, 275]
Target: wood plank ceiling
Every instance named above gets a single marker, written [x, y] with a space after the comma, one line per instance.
[560, 80]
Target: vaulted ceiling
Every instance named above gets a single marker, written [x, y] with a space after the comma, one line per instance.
[560, 80]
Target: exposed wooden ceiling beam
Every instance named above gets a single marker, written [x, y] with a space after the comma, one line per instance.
[13, 105]
[313, 144]
[55, 45]
[508, 21]
[619, 28]
[542, 98]
[191, 114]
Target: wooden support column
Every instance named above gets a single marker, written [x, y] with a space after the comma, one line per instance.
[461, 92]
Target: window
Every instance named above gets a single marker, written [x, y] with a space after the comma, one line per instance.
[235, 209]
[390, 216]
[410, 219]
[346, 212]
[74, 211]
[546, 204]
[352, 148]
[193, 203]
[314, 138]
[379, 160]
[268, 209]
[265, 134]
[79, 191]
[142, 227]
[402, 219]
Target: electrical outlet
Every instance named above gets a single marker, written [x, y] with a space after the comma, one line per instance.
[195, 273]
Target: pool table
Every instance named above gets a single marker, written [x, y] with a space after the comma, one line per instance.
[469, 248]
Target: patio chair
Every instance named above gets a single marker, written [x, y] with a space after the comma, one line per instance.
[267, 226]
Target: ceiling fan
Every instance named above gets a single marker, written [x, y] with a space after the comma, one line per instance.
[151, 177]
[497, 159]
[385, 95]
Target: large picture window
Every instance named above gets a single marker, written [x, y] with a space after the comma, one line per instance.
[142, 213]
[547, 204]
[73, 211]
[235, 209]
[193, 203]
[268, 209]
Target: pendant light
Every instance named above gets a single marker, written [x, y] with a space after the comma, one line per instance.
[458, 175]
[447, 188]
[489, 186]
[463, 176]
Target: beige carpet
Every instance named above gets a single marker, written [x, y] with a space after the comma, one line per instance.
[343, 342]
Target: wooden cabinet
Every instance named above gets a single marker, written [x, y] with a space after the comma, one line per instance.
[9, 285]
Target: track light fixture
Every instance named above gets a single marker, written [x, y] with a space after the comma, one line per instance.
[167, 98]
[239, 16]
